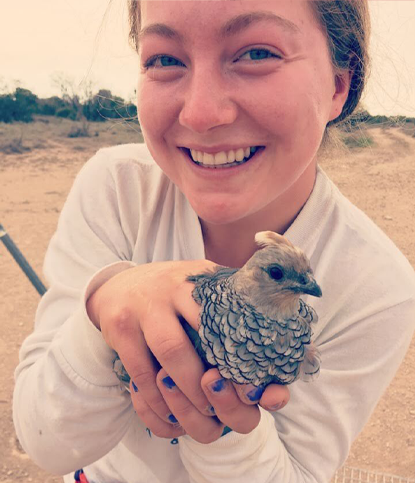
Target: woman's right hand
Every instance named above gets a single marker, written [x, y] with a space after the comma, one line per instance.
[137, 313]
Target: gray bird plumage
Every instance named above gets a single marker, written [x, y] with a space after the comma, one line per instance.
[254, 327]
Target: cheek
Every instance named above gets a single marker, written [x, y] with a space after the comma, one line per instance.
[156, 109]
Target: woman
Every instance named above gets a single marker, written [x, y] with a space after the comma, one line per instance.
[235, 99]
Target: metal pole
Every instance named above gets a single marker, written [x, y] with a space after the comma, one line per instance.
[21, 260]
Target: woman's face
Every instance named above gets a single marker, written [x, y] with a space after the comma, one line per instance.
[234, 78]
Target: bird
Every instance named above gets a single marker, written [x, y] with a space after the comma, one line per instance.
[253, 325]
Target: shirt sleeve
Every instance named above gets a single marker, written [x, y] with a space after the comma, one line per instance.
[308, 440]
[65, 380]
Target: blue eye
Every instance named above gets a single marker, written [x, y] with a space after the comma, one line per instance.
[259, 54]
[163, 61]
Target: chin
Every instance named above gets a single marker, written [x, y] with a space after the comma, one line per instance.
[220, 215]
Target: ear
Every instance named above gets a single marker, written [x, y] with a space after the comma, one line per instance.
[342, 81]
[267, 238]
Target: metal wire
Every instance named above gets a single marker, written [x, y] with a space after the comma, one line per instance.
[348, 474]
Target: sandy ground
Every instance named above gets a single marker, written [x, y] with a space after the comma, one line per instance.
[380, 179]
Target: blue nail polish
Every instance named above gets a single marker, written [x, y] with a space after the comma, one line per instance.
[172, 419]
[134, 387]
[218, 385]
[168, 382]
[255, 394]
[226, 430]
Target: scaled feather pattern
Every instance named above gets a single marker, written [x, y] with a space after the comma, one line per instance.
[254, 327]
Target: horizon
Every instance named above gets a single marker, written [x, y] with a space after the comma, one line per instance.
[90, 45]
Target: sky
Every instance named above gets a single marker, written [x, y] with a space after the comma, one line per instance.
[86, 42]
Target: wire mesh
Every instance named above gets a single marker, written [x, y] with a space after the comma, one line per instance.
[348, 474]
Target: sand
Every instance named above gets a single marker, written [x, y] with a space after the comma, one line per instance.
[378, 178]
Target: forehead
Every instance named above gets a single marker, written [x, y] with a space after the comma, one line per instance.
[291, 16]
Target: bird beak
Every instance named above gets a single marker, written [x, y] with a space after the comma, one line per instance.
[312, 288]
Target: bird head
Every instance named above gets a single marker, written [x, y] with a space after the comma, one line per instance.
[276, 275]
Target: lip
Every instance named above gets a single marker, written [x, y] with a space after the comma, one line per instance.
[218, 173]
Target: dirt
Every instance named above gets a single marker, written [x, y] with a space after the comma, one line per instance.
[378, 178]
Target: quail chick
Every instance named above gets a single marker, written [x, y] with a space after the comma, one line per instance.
[254, 327]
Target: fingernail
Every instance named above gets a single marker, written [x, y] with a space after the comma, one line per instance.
[172, 419]
[211, 409]
[255, 394]
[168, 382]
[134, 387]
[226, 430]
[276, 407]
[217, 386]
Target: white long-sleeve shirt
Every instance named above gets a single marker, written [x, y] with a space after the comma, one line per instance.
[70, 410]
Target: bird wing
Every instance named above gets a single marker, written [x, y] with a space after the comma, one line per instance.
[204, 281]
[310, 368]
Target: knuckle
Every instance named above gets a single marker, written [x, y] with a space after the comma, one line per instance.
[183, 409]
[170, 349]
[159, 406]
[144, 376]
[229, 407]
[121, 321]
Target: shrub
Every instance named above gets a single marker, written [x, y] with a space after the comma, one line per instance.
[15, 146]
[67, 113]
[80, 131]
[18, 106]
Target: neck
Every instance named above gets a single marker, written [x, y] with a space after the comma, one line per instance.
[233, 244]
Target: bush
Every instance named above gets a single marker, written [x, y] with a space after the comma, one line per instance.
[67, 113]
[358, 141]
[104, 105]
[15, 146]
[26, 105]
[6, 108]
[80, 131]
[50, 106]
[18, 106]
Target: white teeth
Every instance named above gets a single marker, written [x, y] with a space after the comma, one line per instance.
[239, 155]
[222, 158]
[208, 158]
[231, 156]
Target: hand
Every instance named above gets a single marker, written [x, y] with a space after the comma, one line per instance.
[229, 401]
[137, 312]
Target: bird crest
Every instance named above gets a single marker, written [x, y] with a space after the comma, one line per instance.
[270, 238]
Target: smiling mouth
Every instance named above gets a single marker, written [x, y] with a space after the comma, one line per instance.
[223, 159]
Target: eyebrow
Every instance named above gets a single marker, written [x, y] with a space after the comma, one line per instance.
[232, 27]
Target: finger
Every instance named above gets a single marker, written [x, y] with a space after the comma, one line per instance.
[275, 397]
[228, 406]
[138, 361]
[204, 429]
[248, 393]
[154, 423]
[169, 343]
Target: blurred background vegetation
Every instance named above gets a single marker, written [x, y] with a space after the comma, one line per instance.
[74, 103]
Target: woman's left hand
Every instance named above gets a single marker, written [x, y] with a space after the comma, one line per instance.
[235, 405]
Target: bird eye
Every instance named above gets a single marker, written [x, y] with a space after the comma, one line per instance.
[276, 273]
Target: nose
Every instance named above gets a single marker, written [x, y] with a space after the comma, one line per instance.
[206, 103]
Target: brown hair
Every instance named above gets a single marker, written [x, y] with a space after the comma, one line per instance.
[347, 25]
